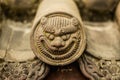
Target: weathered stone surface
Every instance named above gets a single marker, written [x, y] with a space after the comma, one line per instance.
[103, 40]
[16, 46]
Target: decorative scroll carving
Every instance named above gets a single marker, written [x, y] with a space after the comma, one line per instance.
[29, 70]
[99, 69]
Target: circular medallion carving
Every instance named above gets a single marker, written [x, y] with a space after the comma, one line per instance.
[58, 39]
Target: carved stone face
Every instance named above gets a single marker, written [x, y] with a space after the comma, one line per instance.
[58, 39]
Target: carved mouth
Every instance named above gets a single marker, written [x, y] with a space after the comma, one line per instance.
[54, 50]
[54, 54]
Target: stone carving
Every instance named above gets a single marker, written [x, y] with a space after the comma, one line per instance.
[101, 61]
[17, 61]
[29, 70]
[58, 37]
[100, 69]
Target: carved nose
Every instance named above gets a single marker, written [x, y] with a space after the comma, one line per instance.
[58, 42]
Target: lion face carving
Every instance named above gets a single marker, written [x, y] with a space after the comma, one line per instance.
[58, 39]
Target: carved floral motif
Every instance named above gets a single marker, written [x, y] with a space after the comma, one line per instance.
[99, 69]
[29, 70]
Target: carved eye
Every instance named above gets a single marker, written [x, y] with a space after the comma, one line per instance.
[65, 37]
[51, 37]
[47, 34]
